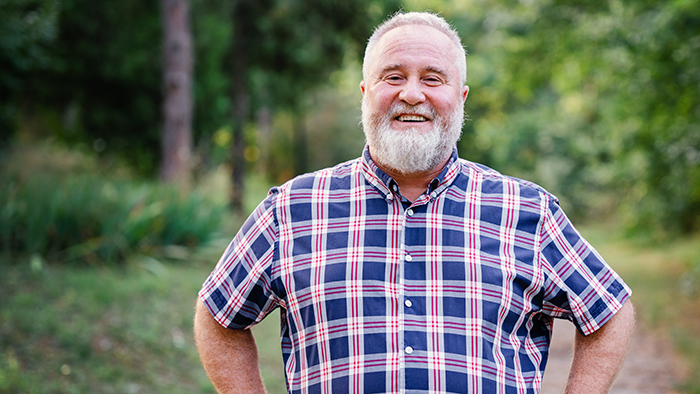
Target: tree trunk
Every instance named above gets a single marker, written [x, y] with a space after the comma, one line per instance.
[238, 60]
[301, 151]
[263, 120]
[240, 111]
[177, 91]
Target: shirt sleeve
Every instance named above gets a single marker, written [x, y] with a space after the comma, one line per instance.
[239, 292]
[579, 284]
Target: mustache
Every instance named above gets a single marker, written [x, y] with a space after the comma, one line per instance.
[424, 109]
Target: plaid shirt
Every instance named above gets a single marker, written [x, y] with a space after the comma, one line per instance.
[454, 292]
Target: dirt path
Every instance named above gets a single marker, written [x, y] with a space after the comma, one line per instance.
[650, 367]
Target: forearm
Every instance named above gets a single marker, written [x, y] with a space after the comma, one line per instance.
[599, 356]
[229, 357]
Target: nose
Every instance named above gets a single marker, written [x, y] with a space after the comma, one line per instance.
[411, 93]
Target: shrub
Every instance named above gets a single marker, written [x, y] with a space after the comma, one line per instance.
[86, 216]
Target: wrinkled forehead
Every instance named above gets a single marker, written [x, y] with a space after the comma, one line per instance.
[414, 43]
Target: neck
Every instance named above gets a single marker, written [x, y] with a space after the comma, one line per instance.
[414, 184]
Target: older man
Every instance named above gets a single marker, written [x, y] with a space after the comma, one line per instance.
[410, 269]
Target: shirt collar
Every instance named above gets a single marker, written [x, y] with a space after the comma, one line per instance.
[384, 183]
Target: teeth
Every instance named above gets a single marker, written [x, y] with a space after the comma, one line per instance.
[412, 118]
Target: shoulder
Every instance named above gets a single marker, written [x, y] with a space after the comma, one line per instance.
[295, 201]
[493, 182]
[331, 178]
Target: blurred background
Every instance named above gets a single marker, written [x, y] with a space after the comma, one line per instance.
[136, 135]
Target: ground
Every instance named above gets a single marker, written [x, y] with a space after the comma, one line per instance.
[651, 366]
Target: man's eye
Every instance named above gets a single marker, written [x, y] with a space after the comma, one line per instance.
[433, 81]
[394, 79]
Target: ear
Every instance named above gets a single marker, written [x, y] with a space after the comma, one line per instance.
[465, 93]
[362, 87]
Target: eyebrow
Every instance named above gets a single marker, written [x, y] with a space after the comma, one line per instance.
[436, 70]
[391, 67]
[398, 66]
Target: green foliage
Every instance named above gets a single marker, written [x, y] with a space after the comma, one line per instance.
[83, 72]
[27, 30]
[299, 44]
[95, 218]
[597, 101]
[92, 73]
[106, 79]
[594, 100]
[288, 51]
[211, 31]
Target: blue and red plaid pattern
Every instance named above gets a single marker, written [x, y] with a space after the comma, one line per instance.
[454, 292]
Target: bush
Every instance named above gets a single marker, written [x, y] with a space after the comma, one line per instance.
[86, 216]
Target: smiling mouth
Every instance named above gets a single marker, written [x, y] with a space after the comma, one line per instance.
[411, 118]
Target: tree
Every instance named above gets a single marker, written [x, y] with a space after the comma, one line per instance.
[103, 84]
[282, 50]
[243, 39]
[27, 31]
[176, 154]
[576, 96]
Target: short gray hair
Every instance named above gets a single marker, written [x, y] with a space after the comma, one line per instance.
[418, 18]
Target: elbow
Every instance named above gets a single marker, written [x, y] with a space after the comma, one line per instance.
[627, 314]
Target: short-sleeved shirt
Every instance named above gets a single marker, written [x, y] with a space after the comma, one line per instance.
[454, 292]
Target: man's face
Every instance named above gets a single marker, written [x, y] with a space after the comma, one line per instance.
[413, 102]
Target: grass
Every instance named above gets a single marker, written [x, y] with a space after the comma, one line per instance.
[109, 330]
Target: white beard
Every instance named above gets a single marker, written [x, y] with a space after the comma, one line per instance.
[409, 151]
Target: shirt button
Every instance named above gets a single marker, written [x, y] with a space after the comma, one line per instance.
[409, 350]
[408, 303]
[389, 196]
[433, 194]
[409, 212]
[408, 257]
[395, 188]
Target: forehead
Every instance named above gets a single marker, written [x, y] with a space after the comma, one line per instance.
[414, 46]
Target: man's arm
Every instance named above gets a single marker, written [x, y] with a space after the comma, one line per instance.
[598, 356]
[229, 357]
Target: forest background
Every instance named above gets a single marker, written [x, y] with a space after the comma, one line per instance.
[595, 100]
